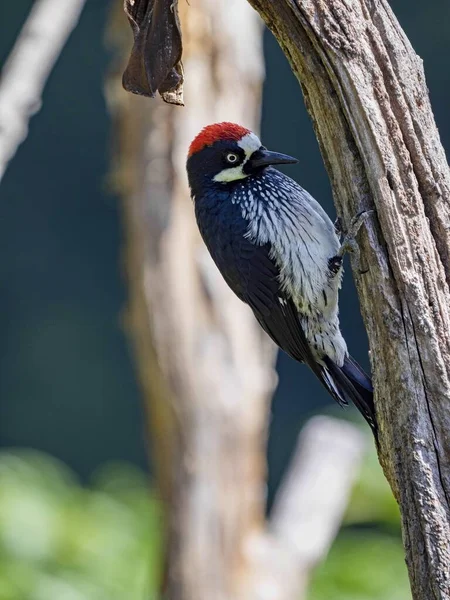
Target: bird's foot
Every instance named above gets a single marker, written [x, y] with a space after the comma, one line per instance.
[334, 264]
[338, 226]
[349, 244]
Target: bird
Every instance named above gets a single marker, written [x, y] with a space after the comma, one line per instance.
[278, 251]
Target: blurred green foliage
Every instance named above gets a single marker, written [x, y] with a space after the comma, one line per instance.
[363, 565]
[60, 540]
[372, 500]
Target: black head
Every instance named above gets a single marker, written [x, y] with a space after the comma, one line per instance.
[225, 153]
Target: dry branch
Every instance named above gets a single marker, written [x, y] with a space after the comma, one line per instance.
[365, 90]
[25, 73]
[193, 337]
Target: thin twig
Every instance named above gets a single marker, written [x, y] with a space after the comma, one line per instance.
[25, 73]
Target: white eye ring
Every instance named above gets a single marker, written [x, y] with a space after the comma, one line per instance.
[232, 158]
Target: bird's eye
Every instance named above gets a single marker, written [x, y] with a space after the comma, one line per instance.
[232, 158]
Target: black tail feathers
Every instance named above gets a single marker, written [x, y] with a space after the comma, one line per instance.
[352, 383]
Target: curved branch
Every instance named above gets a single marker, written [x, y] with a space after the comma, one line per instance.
[365, 90]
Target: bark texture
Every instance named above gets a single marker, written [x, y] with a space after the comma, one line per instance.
[365, 90]
[193, 336]
[206, 366]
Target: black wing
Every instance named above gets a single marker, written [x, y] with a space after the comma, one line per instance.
[254, 277]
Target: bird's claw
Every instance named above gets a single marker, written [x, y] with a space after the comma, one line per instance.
[349, 243]
[338, 226]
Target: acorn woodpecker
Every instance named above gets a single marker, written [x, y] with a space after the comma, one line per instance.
[278, 251]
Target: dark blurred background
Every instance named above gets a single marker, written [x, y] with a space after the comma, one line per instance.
[67, 382]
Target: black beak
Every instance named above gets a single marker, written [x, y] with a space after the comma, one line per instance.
[264, 158]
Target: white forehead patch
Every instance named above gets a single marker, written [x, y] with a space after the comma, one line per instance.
[249, 144]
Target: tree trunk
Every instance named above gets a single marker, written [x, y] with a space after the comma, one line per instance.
[206, 367]
[194, 336]
[365, 90]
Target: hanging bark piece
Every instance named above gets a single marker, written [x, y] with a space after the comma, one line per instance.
[155, 60]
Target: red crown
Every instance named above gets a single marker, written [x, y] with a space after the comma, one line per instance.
[213, 133]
